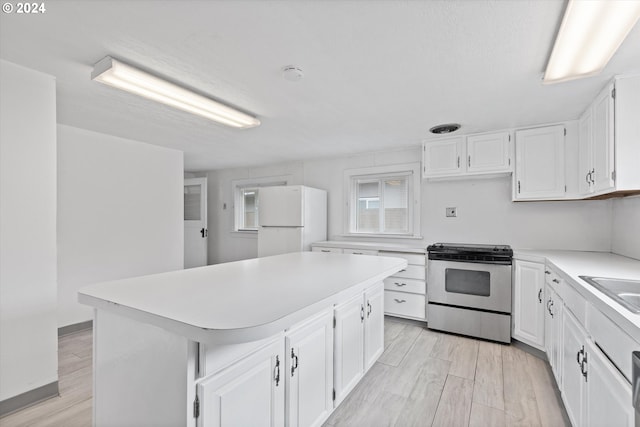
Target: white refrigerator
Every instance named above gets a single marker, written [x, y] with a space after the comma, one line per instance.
[290, 218]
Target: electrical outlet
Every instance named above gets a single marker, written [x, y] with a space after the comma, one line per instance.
[450, 212]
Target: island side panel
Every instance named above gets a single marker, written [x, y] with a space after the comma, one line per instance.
[143, 375]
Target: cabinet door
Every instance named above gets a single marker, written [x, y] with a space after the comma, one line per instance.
[585, 153]
[489, 153]
[442, 157]
[556, 348]
[603, 141]
[608, 393]
[374, 325]
[528, 303]
[573, 381]
[548, 324]
[540, 167]
[348, 362]
[309, 372]
[248, 393]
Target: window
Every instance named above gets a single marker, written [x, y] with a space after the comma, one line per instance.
[247, 202]
[381, 201]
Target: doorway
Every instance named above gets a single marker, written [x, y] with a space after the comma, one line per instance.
[196, 232]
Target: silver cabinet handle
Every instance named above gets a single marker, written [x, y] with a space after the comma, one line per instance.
[361, 312]
[592, 176]
[368, 309]
[458, 161]
[276, 375]
[555, 281]
[325, 250]
[469, 161]
[356, 253]
[399, 284]
[294, 358]
[547, 272]
[399, 301]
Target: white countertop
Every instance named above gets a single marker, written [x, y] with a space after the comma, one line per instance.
[572, 264]
[381, 246]
[241, 301]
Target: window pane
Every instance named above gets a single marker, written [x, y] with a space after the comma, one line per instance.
[396, 210]
[192, 202]
[368, 213]
[250, 197]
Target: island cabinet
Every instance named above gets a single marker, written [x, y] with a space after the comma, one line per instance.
[359, 339]
[253, 343]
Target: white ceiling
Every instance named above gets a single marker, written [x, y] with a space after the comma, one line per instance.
[377, 74]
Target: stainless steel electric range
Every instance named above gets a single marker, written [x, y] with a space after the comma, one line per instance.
[469, 290]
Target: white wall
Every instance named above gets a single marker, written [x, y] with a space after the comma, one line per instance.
[626, 227]
[120, 213]
[485, 211]
[28, 328]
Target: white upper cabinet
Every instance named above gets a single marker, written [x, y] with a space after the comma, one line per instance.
[609, 140]
[466, 156]
[442, 157]
[540, 167]
[596, 149]
[489, 152]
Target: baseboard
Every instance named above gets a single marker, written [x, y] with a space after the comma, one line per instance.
[70, 329]
[28, 398]
[529, 349]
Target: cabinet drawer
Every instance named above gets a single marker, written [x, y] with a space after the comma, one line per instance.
[360, 251]
[551, 277]
[405, 285]
[412, 272]
[612, 340]
[415, 259]
[574, 302]
[405, 305]
[327, 250]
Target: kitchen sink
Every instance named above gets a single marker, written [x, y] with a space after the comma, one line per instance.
[624, 292]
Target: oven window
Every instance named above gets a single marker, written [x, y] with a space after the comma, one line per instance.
[469, 282]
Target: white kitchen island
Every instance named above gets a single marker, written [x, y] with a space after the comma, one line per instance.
[263, 342]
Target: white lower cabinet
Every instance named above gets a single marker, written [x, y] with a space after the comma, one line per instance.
[573, 378]
[373, 325]
[553, 332]
[248, 393]
[528, 303]
[348, 366]
[358, 337]
[301, 376]
[608, 399]
[309, 372]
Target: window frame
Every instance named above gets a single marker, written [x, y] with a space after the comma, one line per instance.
[237, 188]
[379, 173]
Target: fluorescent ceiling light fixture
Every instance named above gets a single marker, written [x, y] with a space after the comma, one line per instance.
[122, 76]
[590, 33]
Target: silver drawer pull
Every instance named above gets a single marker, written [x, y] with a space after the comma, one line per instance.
[399, 301]
[399, 284]
[404, 269]
[357, 253]
[325, 250]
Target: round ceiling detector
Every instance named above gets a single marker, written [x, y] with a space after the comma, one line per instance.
[447, 128]
[292, 73]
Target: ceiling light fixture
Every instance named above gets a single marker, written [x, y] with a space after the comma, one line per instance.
[122, 76]
[590, 33]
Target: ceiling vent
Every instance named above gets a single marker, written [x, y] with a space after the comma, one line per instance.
[448, 128]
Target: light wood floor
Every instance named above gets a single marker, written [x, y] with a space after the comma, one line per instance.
[73, 407]
[423, 378]
[427, 378]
